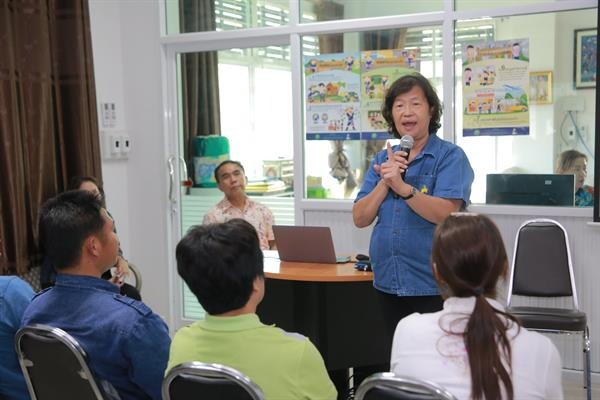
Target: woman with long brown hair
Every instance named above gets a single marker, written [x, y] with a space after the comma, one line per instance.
[472, 347]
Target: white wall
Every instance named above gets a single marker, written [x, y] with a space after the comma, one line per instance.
[127, 65]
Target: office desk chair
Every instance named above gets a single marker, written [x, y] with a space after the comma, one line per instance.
[55, 366]
[388, 386]
[194, 380]
[542, 268]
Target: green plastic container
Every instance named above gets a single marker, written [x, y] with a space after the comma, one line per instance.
[210, 151]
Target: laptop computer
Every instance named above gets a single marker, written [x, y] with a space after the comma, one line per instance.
[306, 244]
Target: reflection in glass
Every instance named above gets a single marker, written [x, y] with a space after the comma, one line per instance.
[331, 10]
[335, 169]
[563, 121]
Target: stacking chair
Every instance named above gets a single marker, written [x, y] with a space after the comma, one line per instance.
[55, 366]
[388, 386]
[542, 268]
[196, 380]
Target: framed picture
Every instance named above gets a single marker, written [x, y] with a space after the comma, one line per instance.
[540, 87]
[586, 49]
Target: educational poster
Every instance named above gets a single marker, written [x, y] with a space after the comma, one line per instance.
[495, 79]
[332, 83]
[378, 70]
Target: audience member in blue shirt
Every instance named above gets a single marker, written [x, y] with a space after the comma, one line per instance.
[15, 296]
[407, 195]
[127, 344]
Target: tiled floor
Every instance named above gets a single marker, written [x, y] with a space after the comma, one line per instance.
[573, 387]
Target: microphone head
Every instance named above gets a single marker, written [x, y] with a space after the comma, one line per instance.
[406, 142]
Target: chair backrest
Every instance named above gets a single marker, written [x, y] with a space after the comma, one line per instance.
[541, 265]
[135, 278]
[55, 365]
[211, 381]
[388, 386]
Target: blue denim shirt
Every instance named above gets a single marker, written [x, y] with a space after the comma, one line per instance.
[126, 343]
[15, 296]
[400, 247]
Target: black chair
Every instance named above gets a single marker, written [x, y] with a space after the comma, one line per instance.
[542, 268]
[55, 366]
[195, 380]
[389, 386]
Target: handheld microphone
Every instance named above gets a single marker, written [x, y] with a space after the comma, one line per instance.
[406, 144]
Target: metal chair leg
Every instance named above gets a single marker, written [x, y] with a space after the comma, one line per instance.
[587, 373]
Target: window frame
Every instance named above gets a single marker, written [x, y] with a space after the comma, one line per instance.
[291, 35]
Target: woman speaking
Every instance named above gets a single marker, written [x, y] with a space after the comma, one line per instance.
[408, 193]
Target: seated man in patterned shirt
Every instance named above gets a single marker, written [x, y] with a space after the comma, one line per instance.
[231, 180]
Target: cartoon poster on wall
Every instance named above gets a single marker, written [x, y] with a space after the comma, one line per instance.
[495, 82]
[332, 90]
[378, 70]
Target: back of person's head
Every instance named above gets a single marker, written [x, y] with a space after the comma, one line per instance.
[77, 181]
[219, 263]
[566, 161]
[404, 85]
[65, 222]
[469, 258]
[218, 167]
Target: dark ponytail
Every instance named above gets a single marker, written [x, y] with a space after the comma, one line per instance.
[469, 258]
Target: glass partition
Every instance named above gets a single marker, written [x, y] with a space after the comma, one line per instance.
[343, 132]
[328, 10]
[560, 108]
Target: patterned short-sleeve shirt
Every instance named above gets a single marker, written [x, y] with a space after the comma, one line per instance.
[255, 213]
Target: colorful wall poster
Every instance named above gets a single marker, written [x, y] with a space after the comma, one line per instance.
[378, 70]
[332, 90]
[495, 82]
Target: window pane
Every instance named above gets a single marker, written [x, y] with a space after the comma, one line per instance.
[223, 15]
[478, 4]
[328, 10]
[335, 168]
[561, 117]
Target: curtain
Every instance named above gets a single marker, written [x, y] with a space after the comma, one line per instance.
[380, 40]
[199, 79]
[48, 120]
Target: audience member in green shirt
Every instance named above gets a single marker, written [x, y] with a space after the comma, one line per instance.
[222, 264]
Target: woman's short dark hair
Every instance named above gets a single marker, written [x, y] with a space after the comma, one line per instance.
[65, 222]
[76, 182]
[219, 263]
[469, 258]
[404, 85]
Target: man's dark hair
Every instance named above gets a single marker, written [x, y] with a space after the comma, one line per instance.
[219, 263]
[65, 221]
[239, 164]
[404, 85]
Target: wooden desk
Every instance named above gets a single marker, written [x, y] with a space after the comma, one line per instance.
[333, 304]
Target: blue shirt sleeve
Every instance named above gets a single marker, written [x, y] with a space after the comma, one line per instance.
[454, 176]
[148, 350]
[19, 293]
[372, 178]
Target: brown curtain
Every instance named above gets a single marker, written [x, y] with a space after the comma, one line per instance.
[199, 79]
[48, 121]
[380, 40]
